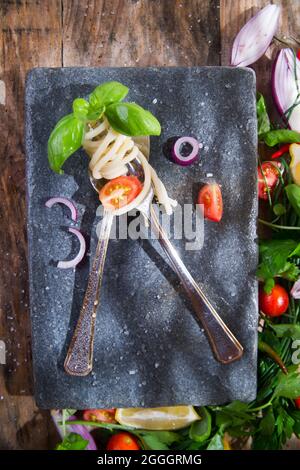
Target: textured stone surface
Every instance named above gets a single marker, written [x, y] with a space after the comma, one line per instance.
[149, 350]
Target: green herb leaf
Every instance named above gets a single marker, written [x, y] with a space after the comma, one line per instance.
[131, 119]
[293, 194]
[216, 443]
[269, 285]
[288, 385]
[263, 121]
[286, 330]
[95, 112]
[158, 440]
[80, 108]
[73, 441]
[273, 257]
[107, 93]
[64, 140]
[267, 424]
[200, 430]
[281, 136]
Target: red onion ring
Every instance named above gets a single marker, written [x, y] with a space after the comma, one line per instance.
[66, 202]
[181, 159]
[73, 262]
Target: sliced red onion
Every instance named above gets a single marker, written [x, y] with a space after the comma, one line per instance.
[72, 263]
[284, 86]
[295, 291]
[66, 202]
[255, 37]
[83, 431]
[177, 155]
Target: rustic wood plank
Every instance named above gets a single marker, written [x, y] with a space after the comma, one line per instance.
[140, 32]
[30, 36]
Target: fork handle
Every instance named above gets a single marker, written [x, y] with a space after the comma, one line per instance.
[224, 344]
[79, 359]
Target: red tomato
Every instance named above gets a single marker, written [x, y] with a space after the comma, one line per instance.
[120, 191]
[275, 303]
[298, 54]
[297, 403]
[211, 198]
[271, 171]
[104, 415]
[122, 441]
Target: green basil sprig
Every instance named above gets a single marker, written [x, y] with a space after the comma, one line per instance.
[127, 118]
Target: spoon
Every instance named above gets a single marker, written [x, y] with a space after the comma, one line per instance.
[79, 359]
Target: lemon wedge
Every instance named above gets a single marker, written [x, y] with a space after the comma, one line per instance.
[159, 419]
[295, 162]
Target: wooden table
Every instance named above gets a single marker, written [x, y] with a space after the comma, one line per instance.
[55, 33]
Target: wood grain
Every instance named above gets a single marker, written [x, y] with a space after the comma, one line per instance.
[140, 32]
[30, 36]
[87, 33]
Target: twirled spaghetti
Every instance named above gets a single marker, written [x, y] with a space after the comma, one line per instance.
[110, 154]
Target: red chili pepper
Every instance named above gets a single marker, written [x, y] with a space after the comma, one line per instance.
[297, 403]
[283, 149]
[298, 54]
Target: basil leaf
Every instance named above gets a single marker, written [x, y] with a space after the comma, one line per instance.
[95, 113]
[293, 194]
[200, 430]
[107, 93]
[80, 108]
[131, 119]
[73, 441]
[281, 136]
[263, 121]
[64, 140]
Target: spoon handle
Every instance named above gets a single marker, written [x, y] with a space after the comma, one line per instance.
[79, 359]
[225, 346]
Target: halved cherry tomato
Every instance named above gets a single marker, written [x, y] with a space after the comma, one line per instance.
[103, 415]
[120, 191]
[211, 198]
[297, 403]
[123, 441]
[274, 304]
[271, 171]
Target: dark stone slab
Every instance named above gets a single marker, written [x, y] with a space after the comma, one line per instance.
[149, 350]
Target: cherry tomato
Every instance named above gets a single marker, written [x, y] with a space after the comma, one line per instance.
[103, 415]
[211, 198]
[275, 303]
[297, 403]
[298, 54]
[122, 441]
[120, 191]
[271, 171]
